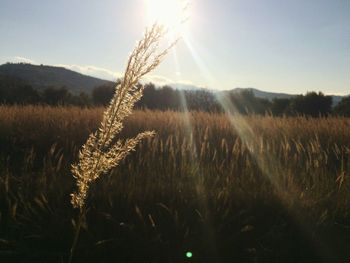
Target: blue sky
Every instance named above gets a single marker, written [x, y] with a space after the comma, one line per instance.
[291, 46]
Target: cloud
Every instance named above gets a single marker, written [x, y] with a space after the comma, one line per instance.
[186, 82]
[19, 59]
[157, 80]
[90, 70]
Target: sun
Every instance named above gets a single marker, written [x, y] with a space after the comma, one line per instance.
[169, 13]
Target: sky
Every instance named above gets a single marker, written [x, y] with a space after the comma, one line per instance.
[290, 46]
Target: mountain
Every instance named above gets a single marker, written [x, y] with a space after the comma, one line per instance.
[182, 86]
[264, 94]
[41, 77]
[273, 95]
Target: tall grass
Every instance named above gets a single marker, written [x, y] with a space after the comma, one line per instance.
[101, 152]
[199, 189]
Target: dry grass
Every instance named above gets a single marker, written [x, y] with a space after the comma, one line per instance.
[282, 195]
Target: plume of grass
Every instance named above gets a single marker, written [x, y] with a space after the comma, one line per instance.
[101, 153]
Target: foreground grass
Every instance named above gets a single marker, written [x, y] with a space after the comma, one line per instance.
[280, 195]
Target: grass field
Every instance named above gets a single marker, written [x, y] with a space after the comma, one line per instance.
[228, 189]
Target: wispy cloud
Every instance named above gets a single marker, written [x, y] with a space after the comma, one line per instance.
[18, 59]
[90, 70]
[162, 81]
[157, 79]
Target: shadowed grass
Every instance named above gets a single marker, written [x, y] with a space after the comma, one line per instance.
[150, 208]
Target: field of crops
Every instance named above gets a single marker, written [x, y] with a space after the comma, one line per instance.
[225, 188]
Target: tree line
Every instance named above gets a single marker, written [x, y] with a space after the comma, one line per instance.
[13, 91]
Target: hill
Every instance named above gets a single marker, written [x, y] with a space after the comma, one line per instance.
[183, 86]
[264, 94]
[42, 76]
[272, 95]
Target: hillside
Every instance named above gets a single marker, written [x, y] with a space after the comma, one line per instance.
[264, 94]
[273, 95]
[41, 77]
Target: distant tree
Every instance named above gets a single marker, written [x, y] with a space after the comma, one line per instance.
[164, 98]
[102, 95]
[245, 102]
[312, 104]
[169, 98]
[24, 95]
[262, 106]
[239, 100]
[343, 108]
[13, 90]
[82, 99]
[280, 107]
[201, 100]
[53, 96]
[150, 98]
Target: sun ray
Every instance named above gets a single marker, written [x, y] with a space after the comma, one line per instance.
[202, 193]
[269, 165]
[204, 69]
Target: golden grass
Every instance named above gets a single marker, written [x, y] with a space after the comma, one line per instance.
[202, 172]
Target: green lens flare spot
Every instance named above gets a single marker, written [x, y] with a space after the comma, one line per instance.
[189, 254]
